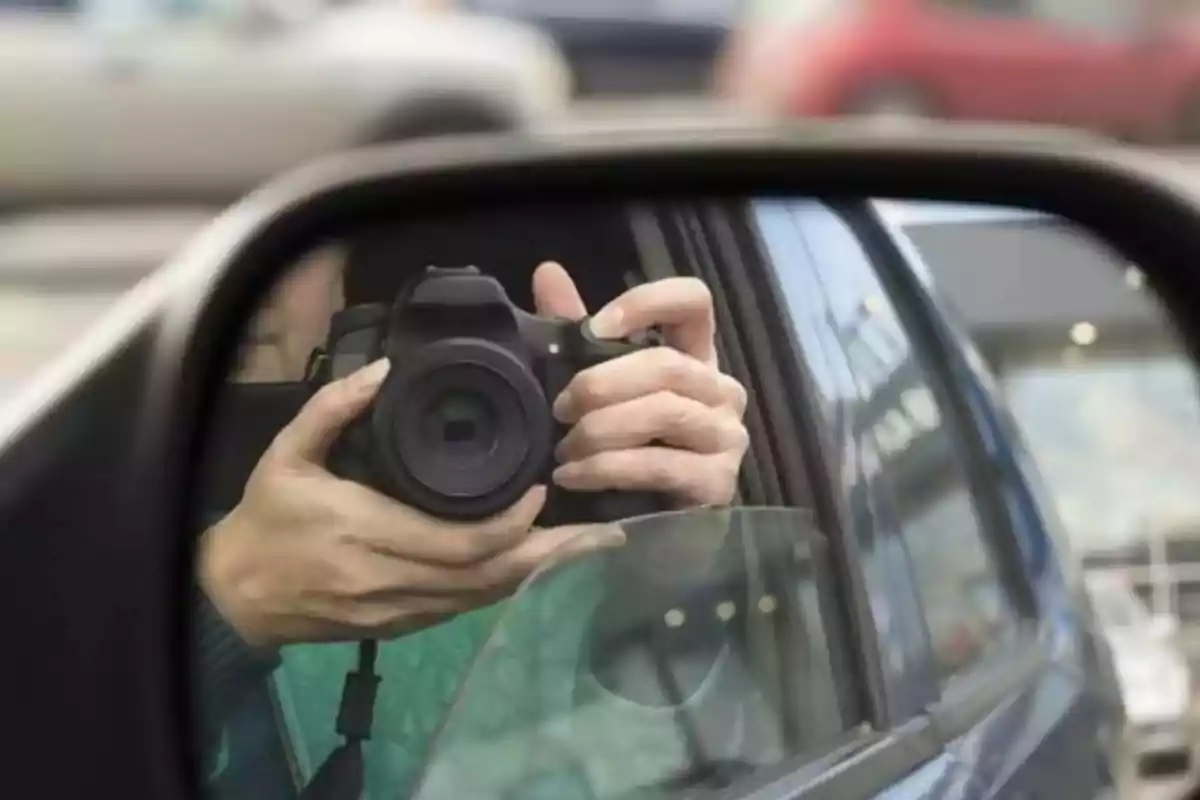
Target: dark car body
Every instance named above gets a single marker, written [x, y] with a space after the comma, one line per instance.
[628, 48]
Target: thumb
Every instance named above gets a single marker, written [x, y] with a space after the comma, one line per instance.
[313, 430]
[554, 293]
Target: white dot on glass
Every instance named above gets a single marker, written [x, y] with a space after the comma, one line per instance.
[554, 349]
[1083, 333]
[674, 618]
[767, 604]
[726, 610]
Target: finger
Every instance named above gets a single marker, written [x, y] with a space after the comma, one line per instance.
[643, 372]
[313, 430]
[554, 293]
[695, 478]
[664, 417]
[681, 307]
[391, 613]
[395, 580]
[378, 523]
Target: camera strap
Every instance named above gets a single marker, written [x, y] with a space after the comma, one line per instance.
[342, 775]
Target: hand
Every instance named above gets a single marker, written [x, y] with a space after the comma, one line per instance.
[676, 395]
[307, 556]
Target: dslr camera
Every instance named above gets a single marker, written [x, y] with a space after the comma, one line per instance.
[462, 426]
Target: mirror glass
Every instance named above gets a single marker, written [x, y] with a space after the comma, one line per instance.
[952, 414]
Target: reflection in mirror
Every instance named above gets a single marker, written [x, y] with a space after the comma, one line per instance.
[677, 683]
[856, 446]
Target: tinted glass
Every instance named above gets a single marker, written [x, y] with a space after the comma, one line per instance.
[910, 456]
[711, 663]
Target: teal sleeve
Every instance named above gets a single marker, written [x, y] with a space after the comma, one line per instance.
[224, 668]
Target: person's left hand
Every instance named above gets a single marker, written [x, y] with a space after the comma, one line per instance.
[663, 419]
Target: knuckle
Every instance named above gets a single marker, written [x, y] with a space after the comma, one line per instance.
[738, 439]
[675, 369]
[588, 388]
[586, 435]
[697, 289]
[739, 398]
[674, 414]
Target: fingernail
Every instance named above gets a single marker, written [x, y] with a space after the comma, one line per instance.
[562, 406]
[607, 322]
[560, 451]
[370, 376]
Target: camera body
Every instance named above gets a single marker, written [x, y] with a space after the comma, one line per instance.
[462, 426]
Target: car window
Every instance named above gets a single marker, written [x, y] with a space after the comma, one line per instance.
[39, 5]
[898, 438]
[711, 664]
[1010, 8]
[1100, 390]
[1108, 18]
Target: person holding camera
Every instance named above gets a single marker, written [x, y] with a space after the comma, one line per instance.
[308, 557]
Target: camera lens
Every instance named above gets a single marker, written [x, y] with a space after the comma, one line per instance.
[464, 429]
[461, 424]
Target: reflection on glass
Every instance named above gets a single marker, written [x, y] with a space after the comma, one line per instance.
[1118, 440]
[905, 468]
[697, 652]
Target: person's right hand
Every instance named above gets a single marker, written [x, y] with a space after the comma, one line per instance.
[307, 556]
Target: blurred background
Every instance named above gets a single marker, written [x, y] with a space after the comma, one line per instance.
[126, 124]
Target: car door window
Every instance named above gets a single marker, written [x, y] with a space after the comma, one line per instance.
[1104, 18]
[985, 8]
[898, 435]
[39, 5]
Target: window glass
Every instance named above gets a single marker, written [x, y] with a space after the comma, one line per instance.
[899, 439]
[694, 676]
[39, 5]
[1101, 392]
[1104, 17]
[785, 11]
[986, 7]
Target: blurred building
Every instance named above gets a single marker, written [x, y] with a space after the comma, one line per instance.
[1098, 384]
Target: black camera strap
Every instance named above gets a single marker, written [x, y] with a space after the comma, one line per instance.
[342, 775]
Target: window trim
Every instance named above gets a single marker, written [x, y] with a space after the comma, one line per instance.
[791, 407]
[866, 763]
[940, 362]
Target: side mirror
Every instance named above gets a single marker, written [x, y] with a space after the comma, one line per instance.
[809, 240]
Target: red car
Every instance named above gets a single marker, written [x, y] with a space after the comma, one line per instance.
[1122, 67]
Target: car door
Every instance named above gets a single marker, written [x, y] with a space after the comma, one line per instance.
[52, 88]
[986, 59]
[1106, 79]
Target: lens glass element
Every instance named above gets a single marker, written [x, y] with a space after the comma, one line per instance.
[461, 424]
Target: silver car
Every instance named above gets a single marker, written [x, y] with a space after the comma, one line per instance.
[150, 97]
[1155, 679]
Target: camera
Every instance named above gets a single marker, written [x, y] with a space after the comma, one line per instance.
[462, 427]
